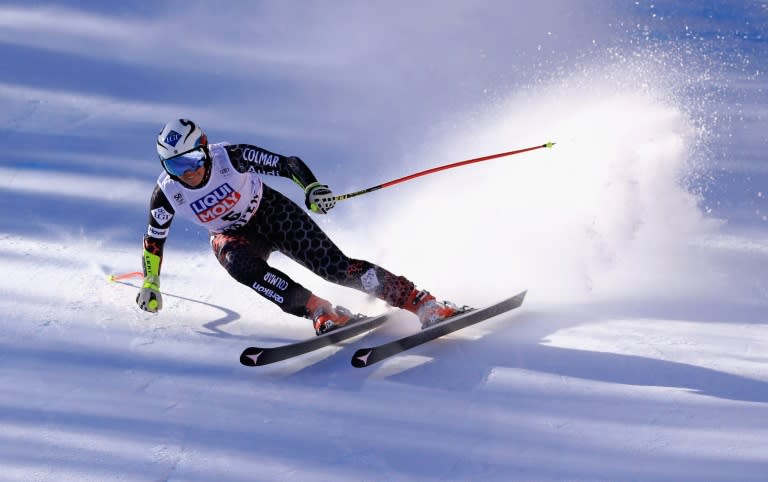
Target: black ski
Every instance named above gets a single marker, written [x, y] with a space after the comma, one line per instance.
[368, 356]
[257, 356]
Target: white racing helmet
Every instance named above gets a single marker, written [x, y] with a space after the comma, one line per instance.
[183, 146]
[179, 136]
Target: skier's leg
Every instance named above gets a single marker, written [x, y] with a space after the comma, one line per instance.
[291, 231]
[244, 257]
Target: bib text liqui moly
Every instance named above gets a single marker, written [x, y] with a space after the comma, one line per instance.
[216, 203]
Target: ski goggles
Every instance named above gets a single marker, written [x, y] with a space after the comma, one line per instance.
[188, 161]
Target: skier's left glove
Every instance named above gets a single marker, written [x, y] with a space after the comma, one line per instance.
[319, 198]
[149, 297]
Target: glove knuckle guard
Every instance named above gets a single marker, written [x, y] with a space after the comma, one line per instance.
[149, 300]
[320, 198]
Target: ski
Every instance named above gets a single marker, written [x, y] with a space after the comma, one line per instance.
[257, 356]
[368, 356]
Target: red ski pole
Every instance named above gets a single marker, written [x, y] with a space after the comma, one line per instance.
[440, 168]
[118, 277]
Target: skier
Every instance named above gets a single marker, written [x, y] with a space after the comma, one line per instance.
[218, 187]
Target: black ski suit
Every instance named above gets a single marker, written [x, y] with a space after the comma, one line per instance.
[271, 222]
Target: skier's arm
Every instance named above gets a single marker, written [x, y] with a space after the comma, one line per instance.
[247, 157]
[160, 216]
[250, 158]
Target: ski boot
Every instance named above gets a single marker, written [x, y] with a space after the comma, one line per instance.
[429, 310]
[325, 317]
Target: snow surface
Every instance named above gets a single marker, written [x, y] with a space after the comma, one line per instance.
[641, 352]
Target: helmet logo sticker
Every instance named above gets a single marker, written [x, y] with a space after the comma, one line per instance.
[172, 138]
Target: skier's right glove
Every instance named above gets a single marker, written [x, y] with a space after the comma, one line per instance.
[149, 297]
[319, 198]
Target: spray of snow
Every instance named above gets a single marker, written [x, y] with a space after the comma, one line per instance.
[605, 213]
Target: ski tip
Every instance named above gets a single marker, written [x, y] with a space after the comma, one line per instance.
[521, 296]
[550, 144]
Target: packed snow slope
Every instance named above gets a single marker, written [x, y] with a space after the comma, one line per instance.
[640, 353]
